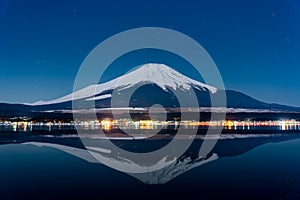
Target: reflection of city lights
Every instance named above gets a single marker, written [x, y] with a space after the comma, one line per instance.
[106, 125]
[86, 125]
[24, 126]
[109, 124]
[15, 126]
[282, 123]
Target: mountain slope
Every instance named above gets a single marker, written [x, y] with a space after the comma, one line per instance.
[160, 74]
[155, 84]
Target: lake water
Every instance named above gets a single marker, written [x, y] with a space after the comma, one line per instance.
[262, 167]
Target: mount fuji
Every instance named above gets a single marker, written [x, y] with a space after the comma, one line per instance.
[161, 75]
[154, 84]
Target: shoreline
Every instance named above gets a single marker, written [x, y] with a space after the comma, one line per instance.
[72, 134]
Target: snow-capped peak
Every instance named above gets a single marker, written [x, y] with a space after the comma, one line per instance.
[162, 75]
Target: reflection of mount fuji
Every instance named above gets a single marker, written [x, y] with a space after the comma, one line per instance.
[166, 81]
[189, 160]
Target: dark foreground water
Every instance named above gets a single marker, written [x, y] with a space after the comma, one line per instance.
[243, 168]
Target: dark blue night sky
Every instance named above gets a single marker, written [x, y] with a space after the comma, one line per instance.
[255, 44]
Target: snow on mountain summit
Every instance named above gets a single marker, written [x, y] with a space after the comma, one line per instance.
[162, 75]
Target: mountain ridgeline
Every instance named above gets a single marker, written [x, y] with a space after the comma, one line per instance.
[154, 84]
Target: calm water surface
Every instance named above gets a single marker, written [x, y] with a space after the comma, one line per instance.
[245, 168]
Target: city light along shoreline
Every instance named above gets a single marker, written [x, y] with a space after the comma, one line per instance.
[125, 124]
